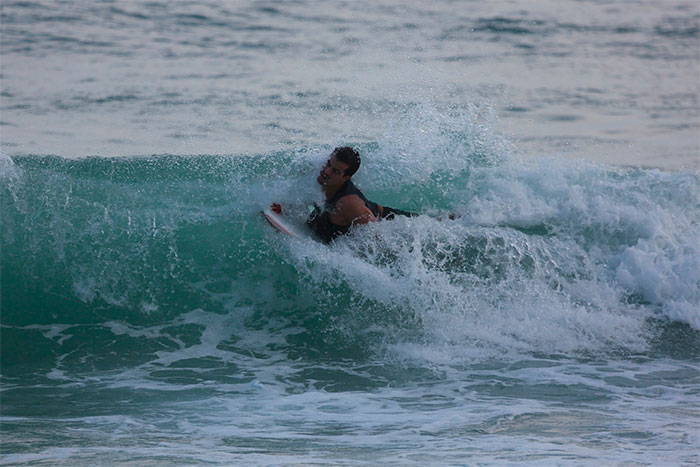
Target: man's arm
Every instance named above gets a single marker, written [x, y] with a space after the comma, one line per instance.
[352, 210]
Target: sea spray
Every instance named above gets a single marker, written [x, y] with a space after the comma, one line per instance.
[151, 289]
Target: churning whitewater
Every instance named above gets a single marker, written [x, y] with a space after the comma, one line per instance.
[149, 315]
[154, 282]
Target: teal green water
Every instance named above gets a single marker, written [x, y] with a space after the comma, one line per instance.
[150, 316]
[146, 305]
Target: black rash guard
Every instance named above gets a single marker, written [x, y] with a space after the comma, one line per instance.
[319, 219]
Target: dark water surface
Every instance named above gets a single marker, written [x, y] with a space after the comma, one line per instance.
[150, 316]
[615, 82]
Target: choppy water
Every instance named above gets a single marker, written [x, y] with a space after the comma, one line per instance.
[607, 81]
[150, 316]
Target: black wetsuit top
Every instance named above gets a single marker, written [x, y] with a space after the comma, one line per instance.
[319, 219]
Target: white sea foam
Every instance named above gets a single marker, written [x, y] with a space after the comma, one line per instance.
[163, 323]
[592, 236]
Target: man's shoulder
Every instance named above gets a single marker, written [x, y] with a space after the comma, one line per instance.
[352, 209]
[349, 188]
[349, 201]
[350, 206]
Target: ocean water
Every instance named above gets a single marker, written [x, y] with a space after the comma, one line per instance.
[150, 316]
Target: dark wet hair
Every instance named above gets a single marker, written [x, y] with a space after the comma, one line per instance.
[349, 156]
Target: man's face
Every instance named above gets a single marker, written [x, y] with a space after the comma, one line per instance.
[333, 173]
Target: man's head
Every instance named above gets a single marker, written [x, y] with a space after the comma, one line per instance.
[340, 167]
[348, 156]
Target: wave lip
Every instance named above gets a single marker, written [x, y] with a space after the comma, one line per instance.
[547, 256]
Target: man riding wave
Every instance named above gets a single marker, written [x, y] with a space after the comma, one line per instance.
[345, 205]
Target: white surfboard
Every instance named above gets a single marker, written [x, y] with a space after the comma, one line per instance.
[282, 224]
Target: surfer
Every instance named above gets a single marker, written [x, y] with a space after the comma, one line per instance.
[345, 205]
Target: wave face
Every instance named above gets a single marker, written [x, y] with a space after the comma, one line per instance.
[142, 277]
